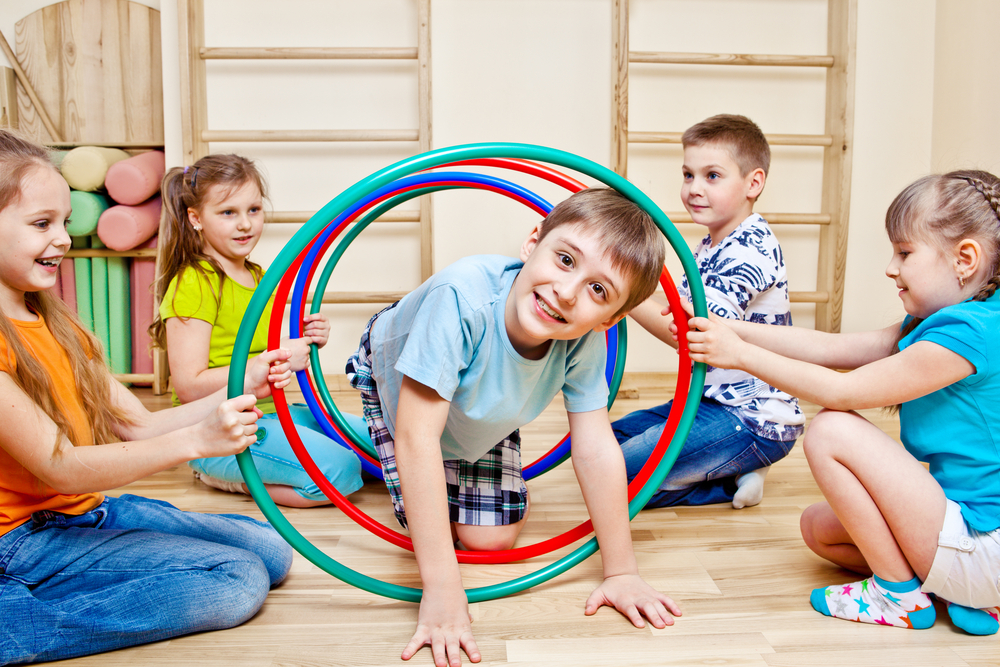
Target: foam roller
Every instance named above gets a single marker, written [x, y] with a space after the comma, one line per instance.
[85, 167]
[84, 289]
[99, 296]
[119, 316]
[143, 273]
[136, 179]
[125, 227]
[67, 282]
[87, 209]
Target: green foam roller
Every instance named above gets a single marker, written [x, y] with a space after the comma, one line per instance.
[99, 294]
[119, 316]
[87, 210]
[84, 291]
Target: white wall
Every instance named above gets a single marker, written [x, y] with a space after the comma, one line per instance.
[539, 71]
[892, 134]
[967, 86]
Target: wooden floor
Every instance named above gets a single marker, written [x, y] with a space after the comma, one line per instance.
[742, 578]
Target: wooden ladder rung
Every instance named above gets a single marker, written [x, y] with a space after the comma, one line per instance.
[683, 217]
[809, 297]
[309, 135]
[358, 297]
[772, 139]
[307, 53]
[105, 252]
[752, 59]
[135, 377]
[304, 216]
[392, 297]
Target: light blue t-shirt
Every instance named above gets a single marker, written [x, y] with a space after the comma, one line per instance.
[956, 430]
[450, 335]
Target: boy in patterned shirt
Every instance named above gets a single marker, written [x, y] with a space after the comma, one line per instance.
[743, 424]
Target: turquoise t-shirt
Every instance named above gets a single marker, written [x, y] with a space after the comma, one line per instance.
[956, 430]
[193, 294]
[450, 335]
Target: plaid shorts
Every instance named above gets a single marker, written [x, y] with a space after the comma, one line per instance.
[489, 492]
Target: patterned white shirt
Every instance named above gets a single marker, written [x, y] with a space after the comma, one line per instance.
[745, 279]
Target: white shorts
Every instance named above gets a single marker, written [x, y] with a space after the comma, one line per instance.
[966, 567]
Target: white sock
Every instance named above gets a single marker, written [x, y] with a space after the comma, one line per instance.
[750, 488]
[222, 485]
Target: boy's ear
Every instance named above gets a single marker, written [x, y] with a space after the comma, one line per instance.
[755, 183]
[529, 244]
[607, 324]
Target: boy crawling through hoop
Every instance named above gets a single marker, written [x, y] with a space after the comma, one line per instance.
[479, 350]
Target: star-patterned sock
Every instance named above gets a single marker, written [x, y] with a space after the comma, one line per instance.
[975, 621]
[875, 600]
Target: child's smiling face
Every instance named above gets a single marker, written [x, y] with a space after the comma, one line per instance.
[34, 231]
[926, 277]
[566, 288]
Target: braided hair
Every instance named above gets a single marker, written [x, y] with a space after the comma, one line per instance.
[988, 186]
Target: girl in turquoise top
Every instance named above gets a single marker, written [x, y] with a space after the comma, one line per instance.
[915, 530]
[213, 218]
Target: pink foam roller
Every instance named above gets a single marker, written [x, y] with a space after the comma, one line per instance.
[67, 281]
[125, 227]
[136, 179]
[143, 274]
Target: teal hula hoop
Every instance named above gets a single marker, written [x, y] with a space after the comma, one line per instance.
[338, 205]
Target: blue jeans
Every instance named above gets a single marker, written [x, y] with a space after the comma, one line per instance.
[277, 463]
[719, 448]
[131, 571]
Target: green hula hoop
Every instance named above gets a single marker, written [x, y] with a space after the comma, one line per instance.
[339, 204]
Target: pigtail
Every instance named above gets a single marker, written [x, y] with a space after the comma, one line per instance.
[182, 242]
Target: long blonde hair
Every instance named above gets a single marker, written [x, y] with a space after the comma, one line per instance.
[188, 187]
[18, 158]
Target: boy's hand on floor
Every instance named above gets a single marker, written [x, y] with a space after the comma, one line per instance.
[444, 624]
[632, 596]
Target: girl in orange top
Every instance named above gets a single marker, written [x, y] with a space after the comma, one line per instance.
[81, 572]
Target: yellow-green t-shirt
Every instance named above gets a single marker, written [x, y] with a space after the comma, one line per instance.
[196, 294]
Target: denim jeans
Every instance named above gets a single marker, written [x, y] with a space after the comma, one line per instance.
[277, 463]
[719, 448]
[131, 571]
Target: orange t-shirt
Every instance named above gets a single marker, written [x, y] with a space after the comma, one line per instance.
[21, 492]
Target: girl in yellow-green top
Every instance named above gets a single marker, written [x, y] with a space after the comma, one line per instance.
[214, 217]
